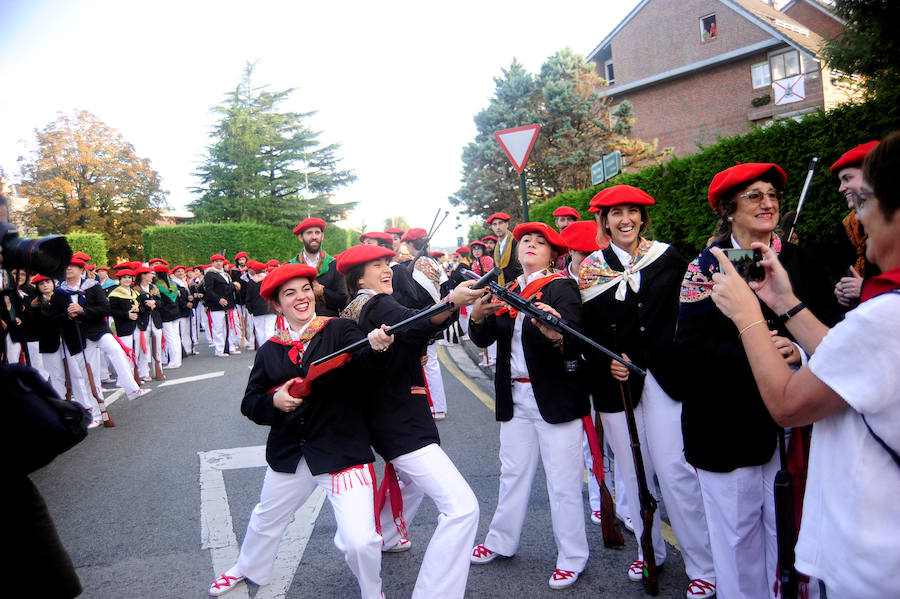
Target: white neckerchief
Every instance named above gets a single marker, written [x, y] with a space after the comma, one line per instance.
[629, 277]
[633, 277]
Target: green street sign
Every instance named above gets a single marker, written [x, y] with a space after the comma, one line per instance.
[597, 173]
[612, 164]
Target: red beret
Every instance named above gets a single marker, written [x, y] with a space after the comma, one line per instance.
[549, 233]
[308, 223]
[581, 236]
[215, 257]
[394, 231]
[89, 266]
[436, 254]
[77, 262]
[491, 237]
[414, 234]
[462, 250]
[160, 268]
[742, 174]
[499, 216]
[126, 272]
[38, 278]
[240, 255]
[376, 235]
[620, 194]
[142, 269]
[201, 266]
[477, 242]
[272, 262]
[160, 260]
[181, 266]
[360, 254]
[282, 275]
[124, 265]
[853, 157]
[566, 211]
[256, 265]
[82, 256]
[106, 268]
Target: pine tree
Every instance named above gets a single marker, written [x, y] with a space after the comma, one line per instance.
[265, 165]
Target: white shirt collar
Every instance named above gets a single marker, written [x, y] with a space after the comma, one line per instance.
[624, 257]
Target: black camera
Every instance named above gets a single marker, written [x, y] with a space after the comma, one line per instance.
[47, 255]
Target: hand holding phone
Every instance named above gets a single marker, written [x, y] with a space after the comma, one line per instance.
[747, 263]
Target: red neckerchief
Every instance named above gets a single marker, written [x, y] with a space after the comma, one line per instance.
[886, 281]
[283, 337]
[531, 291]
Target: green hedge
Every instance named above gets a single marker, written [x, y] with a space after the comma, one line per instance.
[682, 215]
[194, 244]
[92, 244]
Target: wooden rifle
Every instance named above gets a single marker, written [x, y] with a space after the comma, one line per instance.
[157, 367]
[424, 251]
[65, 364]
[108, 421]
[609, 526]
[646, 499]
[301, 386]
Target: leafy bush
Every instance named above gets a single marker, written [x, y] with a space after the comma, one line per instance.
[92, 244]
[194, 244]
[682, 216]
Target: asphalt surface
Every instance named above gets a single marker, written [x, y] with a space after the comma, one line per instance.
[129, 506]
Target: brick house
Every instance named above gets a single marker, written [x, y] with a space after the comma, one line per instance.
[816, 15]
[695, 70]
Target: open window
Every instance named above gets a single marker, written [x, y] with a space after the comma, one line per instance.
[708, 29]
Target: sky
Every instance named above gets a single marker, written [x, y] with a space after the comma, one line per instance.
[397, 84]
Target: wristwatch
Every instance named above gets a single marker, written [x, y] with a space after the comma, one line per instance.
[783, 318]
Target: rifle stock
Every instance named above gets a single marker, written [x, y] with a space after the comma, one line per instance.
[157, 367]
[785, 525]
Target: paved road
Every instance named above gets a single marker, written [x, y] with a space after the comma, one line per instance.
[156, 506]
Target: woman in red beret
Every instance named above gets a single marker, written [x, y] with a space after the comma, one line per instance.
[402, 429]
[314, 441]
[149, 322]
[540, 404]
[729, 437]
[633, 285]
[123, 307]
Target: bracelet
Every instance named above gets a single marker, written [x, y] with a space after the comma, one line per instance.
[752, 324]
[792, 312]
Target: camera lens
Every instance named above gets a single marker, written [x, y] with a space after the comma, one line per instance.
[47, 255]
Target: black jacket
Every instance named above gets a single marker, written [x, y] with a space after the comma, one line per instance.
[119, 308]
[92, 323]
[724, 420]
[397, 410]
[239, 294]
[145, 313]
[328, 428]
[645, 328]
[47, 327]
[335, 292]
[168, 308]
[407, 291]
[254, 301]
[555, 377]
[217, 287]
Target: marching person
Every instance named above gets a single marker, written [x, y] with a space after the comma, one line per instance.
[185, 309]
[403, 432]
[849, 388]
[564, 216]
[201, 319]
[430, 276]
[634, 285]
[331, 295]
[102, 273]
[540, 404]
[149, 322]
[481, 265]
[732, 443]
[406, 290]
[490, 242]
[848, 169]
[169, 313]
[505, 254]
[124, 306]
[49, 334]
[219, 299]
[239, 275]
[318, 441]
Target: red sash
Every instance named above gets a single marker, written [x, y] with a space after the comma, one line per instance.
[531, 291]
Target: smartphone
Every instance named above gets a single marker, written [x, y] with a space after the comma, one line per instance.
[747, 263]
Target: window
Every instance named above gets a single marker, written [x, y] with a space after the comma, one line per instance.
[761, 74]
[708, 29]
[784, 65]
[610, 73]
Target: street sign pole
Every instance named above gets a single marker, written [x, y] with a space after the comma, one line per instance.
[524, 197]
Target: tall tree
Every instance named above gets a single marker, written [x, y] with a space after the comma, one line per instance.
[577, 128]
[265, 165]
[868, 44]
[84, 176]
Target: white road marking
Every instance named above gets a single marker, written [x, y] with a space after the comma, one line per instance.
[217, 528]
[191, 379]
[113, 397]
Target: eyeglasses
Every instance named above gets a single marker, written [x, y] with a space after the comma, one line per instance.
[757, 196]
[859, 198]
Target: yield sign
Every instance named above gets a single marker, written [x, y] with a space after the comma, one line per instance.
[517, 144]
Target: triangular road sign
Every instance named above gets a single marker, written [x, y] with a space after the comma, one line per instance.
[517, 144]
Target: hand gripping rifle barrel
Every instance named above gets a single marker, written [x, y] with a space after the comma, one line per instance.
[514, 300]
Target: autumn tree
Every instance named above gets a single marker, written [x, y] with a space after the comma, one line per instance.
[577, 128]
[84, 176]
[265, 165]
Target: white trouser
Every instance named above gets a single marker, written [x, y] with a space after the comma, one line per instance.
[492, 352]
[464, 321]
[222, 320]
[658, 419]
[108, 345]
[145, 355]
[196, 314]
[55, 372]
[445, 567]
[435, 380]
[283, 494]
[13, 351]
[172, 349]
[523, 439]
[740, 509]
[184, 330]
[263, 328]
[36, 358]
[618, 488]
[81, 391]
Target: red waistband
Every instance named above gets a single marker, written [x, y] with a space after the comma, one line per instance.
[522, 380]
